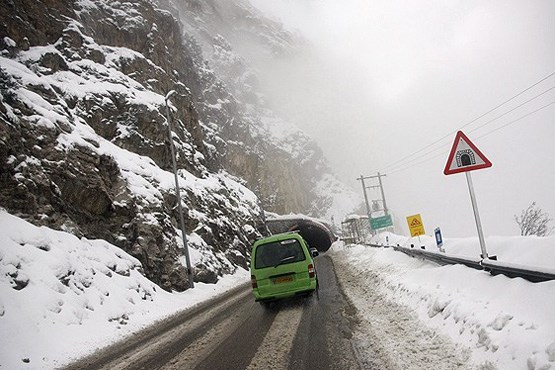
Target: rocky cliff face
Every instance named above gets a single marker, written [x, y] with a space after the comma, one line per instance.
[84, 143]
[279, 161]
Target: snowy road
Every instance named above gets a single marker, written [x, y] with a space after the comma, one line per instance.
[392, 311]
[390, 331]
[364, 331]
[234, 332]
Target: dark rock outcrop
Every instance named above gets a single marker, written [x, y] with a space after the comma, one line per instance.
[86, 94]
[84, 139]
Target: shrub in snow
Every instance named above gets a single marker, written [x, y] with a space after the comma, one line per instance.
[534, 221]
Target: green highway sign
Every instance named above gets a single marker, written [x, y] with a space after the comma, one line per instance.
[381, 222]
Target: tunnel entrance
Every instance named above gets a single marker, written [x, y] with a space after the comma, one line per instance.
[316, 233]
[465, 159]
[315, 236]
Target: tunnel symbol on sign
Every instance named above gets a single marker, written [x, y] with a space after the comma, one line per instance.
[465, 158]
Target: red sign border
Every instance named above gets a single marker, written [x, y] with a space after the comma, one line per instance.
[461, 135]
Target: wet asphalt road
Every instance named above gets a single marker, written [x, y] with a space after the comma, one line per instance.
[234, 332]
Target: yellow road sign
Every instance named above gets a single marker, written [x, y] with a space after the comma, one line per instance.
[416, 226]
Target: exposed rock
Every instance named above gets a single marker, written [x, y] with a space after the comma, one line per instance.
[204, 275]
[53, 61]
[85, 138]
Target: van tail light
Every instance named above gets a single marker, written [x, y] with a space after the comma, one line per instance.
[311, 270]
[253, 282]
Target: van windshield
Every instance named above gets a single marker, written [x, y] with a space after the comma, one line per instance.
[278, 253]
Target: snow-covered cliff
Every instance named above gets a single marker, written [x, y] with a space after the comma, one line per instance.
[84, 144]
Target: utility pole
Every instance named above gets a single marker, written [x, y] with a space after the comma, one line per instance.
[383, 195]
[382, 221]
[368, 212]
[364, 187]
[177, 193]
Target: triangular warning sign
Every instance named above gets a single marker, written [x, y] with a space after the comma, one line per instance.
[415, 223]
[465, 156]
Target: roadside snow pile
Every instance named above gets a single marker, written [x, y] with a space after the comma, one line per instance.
[62, 297]
[533, 252]
[506, 323]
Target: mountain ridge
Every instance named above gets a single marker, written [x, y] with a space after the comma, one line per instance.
[84, 141]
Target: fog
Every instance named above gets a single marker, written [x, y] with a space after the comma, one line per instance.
[384, 86]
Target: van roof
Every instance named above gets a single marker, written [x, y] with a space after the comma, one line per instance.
[278, 237]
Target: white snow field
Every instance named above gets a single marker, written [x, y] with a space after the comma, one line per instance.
[494, 321]
[62, 297]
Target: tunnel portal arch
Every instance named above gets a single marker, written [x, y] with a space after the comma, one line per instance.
[316, 232]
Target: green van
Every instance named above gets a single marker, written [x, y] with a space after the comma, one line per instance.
[281, 267]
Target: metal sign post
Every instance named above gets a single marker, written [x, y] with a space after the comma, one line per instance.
[178, 194]
[466, 157]
[476, 215]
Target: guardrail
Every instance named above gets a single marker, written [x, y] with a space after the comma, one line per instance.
[493, 267]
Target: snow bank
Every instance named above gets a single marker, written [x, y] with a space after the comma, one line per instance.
[506, 323]
[62, 297]
[528, 251]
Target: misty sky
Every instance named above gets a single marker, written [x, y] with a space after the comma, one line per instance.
[380, 80]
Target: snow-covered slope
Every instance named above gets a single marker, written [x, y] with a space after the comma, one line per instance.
[85, 139]
[62, 297]
[84, 132]
[501, 323]
[238, 41]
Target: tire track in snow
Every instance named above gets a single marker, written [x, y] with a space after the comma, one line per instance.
[234, 332]
[325, 337]
[218, 346]
[158, 345]
[390, 331]
[273, 352]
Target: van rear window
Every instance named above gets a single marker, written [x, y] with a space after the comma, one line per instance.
[278, 253]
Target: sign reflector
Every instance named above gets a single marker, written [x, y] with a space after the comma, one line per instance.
[465, 156]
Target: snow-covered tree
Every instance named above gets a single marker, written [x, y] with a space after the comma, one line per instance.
[534, 221]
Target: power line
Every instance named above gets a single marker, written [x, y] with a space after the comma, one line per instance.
[414, 158]
[506, 101]
[468, 123]
[486, 134]
[516, 120]
[515, 108]
[418, 163]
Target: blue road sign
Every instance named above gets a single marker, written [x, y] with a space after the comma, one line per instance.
[439, 240]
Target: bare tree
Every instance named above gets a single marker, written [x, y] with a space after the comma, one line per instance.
[534, 221]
